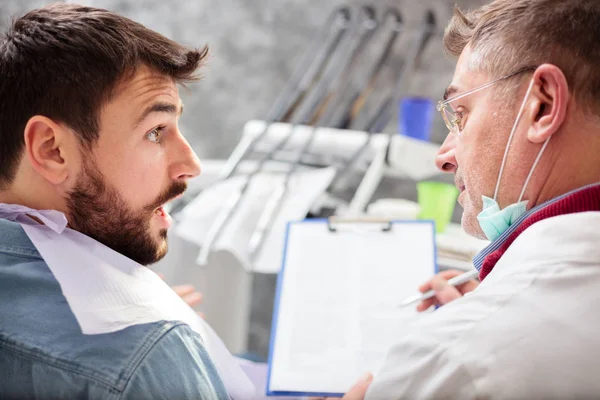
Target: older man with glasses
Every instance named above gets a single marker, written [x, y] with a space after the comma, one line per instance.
[523, 111]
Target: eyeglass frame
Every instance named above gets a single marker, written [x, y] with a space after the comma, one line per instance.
[442, 105]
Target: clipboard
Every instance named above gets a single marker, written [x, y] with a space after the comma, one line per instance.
[363, 254]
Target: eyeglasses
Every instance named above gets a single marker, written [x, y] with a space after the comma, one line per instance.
[452, 118]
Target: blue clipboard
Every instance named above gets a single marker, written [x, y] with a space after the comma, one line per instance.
[388, 226]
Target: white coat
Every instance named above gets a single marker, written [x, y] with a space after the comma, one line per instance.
[531, 330]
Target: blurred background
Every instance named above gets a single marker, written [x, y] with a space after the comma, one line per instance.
[255, 46]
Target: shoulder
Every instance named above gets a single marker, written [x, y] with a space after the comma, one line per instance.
[176, 366]
[41, 341]
[564, 238]
[170, 361]
[15, 242]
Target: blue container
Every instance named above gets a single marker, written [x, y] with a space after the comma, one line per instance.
[416, 117]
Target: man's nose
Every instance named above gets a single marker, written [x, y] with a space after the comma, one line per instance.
[186, 165]
[446, 159]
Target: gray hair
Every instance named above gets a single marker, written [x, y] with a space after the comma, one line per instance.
[507, 35]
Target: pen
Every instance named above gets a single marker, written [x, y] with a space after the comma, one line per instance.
[457, 280]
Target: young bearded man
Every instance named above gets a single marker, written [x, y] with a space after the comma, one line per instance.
[89, 107]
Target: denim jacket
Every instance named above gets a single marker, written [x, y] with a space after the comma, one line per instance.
[44, 354]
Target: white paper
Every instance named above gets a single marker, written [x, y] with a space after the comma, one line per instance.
[107, 291]
[338, 307]
[195, 220]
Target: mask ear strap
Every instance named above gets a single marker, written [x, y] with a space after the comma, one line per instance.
[510, 138]
[535, 163]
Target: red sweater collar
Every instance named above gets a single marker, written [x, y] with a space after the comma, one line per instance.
[586, 199]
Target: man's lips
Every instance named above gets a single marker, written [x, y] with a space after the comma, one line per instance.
[163, 213]
[162, 206]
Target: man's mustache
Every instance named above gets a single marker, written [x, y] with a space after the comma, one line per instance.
[174, 190]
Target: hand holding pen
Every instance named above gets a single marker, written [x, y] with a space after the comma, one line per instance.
[443, 288]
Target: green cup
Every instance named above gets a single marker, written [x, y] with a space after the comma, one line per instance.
[437, 201]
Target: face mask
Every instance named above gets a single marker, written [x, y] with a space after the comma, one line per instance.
[492, 220]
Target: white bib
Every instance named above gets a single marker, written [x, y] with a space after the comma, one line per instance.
[107, 291]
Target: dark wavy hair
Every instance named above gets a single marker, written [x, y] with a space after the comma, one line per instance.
[65, 62]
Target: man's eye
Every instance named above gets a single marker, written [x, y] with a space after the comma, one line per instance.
[459, 119]
[155, 134]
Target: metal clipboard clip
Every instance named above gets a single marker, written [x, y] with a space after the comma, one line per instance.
[334, 222]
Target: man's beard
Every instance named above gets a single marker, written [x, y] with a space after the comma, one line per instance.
[98, 211]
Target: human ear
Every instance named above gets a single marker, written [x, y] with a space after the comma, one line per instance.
[48, 148]
[548, 108]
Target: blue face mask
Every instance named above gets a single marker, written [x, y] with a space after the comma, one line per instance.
[492, 220]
